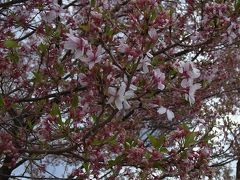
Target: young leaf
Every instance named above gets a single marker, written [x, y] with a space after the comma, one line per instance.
[154, 141]
[10, 44]
[93, 3]
[1, 101]
[13, 57]
[37, 77]
[42, 48]
[74, 101]
[190, 139]
[55, 111]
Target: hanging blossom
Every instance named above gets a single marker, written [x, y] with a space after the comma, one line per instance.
[163, 110]
[192, 91]
[153, 34]
[188, 68]
[190, 72]
[82, 79]
[56, 11]
[125, 49]
[159, 77]
[75, 44]
[93, 56]
[120, 96]
[145, 62]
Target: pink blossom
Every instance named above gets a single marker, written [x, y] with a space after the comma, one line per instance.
[189, 68]
[160, 77]
[120, 96]
[55, 12]
[96, 14]
[123, 47]
[75, 44]
[93, 57]
[82, 79]
[153, 33]
[145, 62]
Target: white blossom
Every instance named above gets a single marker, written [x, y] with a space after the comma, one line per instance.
[192, 90]
[120, 96]
[170, 114]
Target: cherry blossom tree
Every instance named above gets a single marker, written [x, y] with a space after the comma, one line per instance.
[118, 88]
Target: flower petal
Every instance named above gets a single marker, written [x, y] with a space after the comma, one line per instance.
[122, 89]
[170, 115]
[129, 94]
[110, 100]
[119, 103]
[112, 91]
[126, 105]
[161, 86]
[161, 110]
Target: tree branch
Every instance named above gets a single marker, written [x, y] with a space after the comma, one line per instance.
[10, 3]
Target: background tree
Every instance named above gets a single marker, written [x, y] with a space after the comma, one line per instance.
[112, 89]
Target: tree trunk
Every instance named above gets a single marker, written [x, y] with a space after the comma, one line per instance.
[5, 171]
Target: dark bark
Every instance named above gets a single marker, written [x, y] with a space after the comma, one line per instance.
[5, 171]
[10, 3]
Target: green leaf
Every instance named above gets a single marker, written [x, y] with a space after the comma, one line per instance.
[60, 68]
[185, 127]
[208, 137]
[1, 101]
[157, 142]
[74, 101]
[37, 76]
[86, 166]
[57, 33]
[162, 139]
[154, 141]
[42, 48]
[48, 30]
[183, 155]
[163, 150]
[110, 140]
[97, 142]
[153, 14]
[173, 73]
[116, 161]
[237, 7]
[67, 122]
[155, 61]
[157, 165]
[85, 27]
[109, 31]
[10, 44]
[13, 57]
[93, 3]
[129, 143]
[55, 111]
[94, 117]
[190, 139]
[30, 124]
